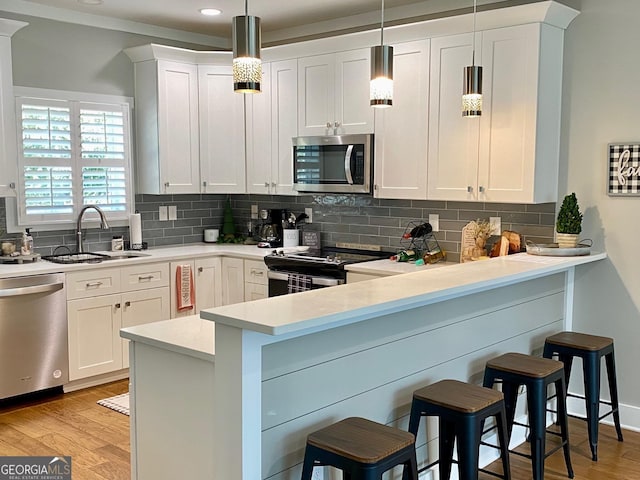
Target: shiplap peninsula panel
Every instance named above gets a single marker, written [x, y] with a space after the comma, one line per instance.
[371, 368]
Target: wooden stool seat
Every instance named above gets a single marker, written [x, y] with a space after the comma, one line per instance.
[579, 340]
[361, 440]
[527, 365]
[459, 396]
[513, 370]
[591, 349]
[461, 409]
[362, 449]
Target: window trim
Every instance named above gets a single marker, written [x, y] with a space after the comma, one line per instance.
[13, 225]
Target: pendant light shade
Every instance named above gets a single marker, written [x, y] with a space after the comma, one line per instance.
[472, 82]
[472, 92]
[381, 86]
[247, 66]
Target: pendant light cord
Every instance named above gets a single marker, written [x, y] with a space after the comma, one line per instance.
[473, 52]
[246, 8]
[382, 25]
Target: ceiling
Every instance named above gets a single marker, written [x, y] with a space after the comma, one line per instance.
[281, 19]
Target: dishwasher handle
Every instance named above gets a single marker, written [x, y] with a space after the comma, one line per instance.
[30, 290]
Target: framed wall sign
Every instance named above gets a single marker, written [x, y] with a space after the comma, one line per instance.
[624, 169]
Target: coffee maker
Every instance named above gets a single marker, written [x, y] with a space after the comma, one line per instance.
[271, 229]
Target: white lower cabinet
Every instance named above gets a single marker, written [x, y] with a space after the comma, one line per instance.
[232, 280]
[208, 279]
[256, 283]
[100, 302]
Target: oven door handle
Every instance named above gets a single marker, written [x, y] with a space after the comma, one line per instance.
[347, 165]
[320, 281]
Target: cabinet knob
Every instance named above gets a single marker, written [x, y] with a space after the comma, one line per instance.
[200, 269]
[328, 124]
[273, 184]
[266, 184]
[12, 186]
[127, 303]
[375, 187]
[167, 184]
[117, 305]
[336, 124]
[204, 183]
[481, 189]
[469, 188]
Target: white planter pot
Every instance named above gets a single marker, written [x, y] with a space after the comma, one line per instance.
[566, 240]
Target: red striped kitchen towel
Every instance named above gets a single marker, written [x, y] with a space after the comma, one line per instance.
[186, 293]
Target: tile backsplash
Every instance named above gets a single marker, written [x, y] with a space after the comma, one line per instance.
[339, 218]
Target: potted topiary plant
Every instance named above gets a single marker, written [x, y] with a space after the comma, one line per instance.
[569, 222]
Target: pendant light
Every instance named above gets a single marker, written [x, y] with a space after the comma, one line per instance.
[472, 87]
[381, 86]
[247, 66]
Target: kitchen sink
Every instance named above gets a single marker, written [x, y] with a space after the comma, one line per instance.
[90, 257]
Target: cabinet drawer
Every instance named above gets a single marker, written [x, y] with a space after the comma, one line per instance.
[255, 271]
[254, 291]
[141, 277]
[102, 281]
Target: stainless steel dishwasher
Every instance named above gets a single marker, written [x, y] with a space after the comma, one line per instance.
[33, 334]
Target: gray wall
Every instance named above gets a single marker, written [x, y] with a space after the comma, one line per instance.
[600, 106]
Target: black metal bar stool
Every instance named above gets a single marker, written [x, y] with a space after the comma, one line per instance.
[461, 409]
[536, 374]
[362, 449]
[590, 349]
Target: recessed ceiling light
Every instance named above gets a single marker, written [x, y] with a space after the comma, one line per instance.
[91, 2]
[211, 12]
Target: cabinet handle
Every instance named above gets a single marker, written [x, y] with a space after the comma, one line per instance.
[328, 124]
[204, 183]
[127, 303]
[336, 124]
[117, 305]
[93, 284]
[481, 189]
[469, 188]
[167, 184]
[146, 277]
[257, 273]
[273, 184]
[12, 185]
[200, 269]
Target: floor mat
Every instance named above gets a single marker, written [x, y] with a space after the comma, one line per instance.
[119, 403]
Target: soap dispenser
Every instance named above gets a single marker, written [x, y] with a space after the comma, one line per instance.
[27, 242]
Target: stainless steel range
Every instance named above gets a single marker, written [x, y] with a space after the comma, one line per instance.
[298, 272]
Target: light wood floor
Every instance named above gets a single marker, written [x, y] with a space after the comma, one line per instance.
[98, 440]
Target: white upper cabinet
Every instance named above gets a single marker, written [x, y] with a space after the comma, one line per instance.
[333, 94]
[272, 121]
[510, 153]
[8, 153]
[222, 131]
[400, 167]
[167, 140]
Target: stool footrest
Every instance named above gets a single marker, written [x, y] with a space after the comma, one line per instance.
[488, 472]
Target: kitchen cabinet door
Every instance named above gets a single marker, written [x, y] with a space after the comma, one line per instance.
[519, 141]
[256, 283]
[453, 139]
[141, 307]
[95, 346]
[258, 112]
[8, 150]
[333, 94]
[401, 133]
[284, 124]
[222, 131]
[208, 279]
[232, 280]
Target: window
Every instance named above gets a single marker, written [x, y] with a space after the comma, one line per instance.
[72, 153]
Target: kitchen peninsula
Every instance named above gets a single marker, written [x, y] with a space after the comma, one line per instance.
[286, 366]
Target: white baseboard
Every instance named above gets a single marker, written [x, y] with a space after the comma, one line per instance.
[629, 414]
[95, 381]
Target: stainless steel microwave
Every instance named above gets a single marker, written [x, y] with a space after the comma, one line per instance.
[333, 164]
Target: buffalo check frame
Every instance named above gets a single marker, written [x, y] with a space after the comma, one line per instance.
[623, 169]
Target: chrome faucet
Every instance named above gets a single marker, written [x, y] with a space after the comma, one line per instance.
[103, 224]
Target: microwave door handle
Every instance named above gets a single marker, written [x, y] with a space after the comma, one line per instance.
[347, 165]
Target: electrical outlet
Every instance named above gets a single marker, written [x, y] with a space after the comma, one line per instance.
[434, 221]
[309, 212]
[162, 212]
[173, 212]
[254, 212]
[496, 225]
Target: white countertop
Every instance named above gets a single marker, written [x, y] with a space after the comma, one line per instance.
[152, 255]
[361, 300]
[389, 267]
[190, 336]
